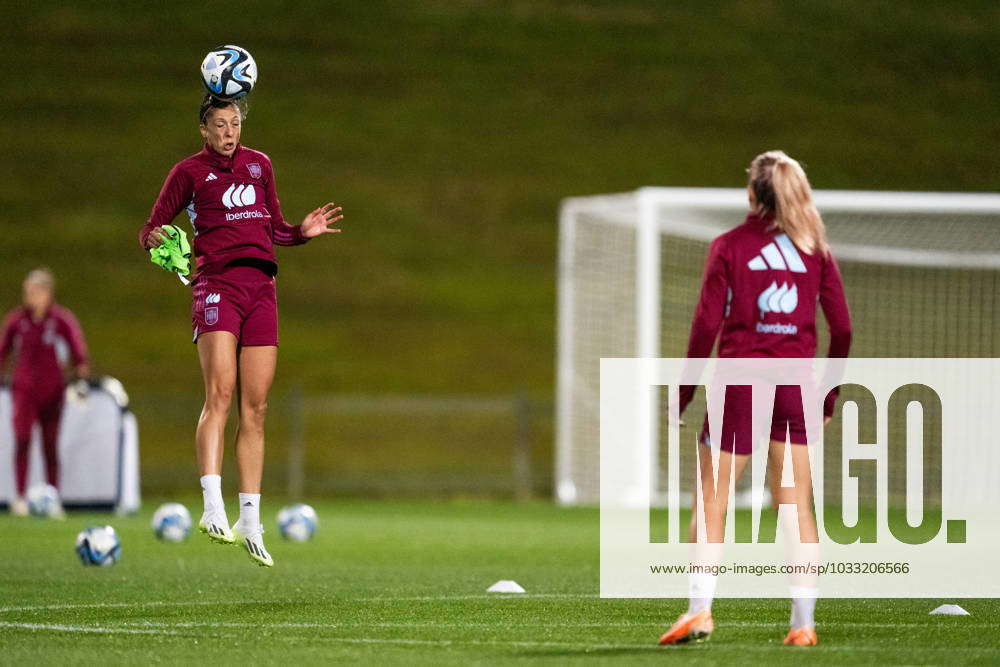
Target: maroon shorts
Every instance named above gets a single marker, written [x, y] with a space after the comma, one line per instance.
[787, 420]
[240, 300]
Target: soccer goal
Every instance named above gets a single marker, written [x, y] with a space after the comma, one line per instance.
[921, 272]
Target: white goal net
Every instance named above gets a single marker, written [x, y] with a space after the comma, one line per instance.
[921, 272]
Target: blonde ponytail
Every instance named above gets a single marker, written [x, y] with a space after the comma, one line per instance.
[780, 186]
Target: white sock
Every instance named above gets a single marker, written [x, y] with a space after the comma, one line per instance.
[701, 590]
[803, 606]
[250, 509]
[211, 491]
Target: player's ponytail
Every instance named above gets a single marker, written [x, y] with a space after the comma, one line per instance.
[780, 187]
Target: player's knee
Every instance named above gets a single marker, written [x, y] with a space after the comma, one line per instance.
[219, 397]
[253, 412]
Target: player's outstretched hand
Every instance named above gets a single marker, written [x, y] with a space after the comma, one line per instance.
[319, 221]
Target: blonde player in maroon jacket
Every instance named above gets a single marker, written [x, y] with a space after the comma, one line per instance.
[759, 293]
[229, 194]
[43, 338]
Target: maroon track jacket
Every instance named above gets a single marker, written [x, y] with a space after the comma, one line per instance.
[232, 204]
[762, 291]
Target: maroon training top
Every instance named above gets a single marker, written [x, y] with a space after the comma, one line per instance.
[41, 349]
[232, 204]
[762, 292]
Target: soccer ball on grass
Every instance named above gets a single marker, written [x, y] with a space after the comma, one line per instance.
[43, 501]
[297, 522]
[171, 522]
[98, 545]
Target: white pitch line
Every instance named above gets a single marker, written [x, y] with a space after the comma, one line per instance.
[207, 603]
[578, 646]
[192, 603]
[86, 628]
[461, 624]
[430, 624]
[119, 605]
[649, 646]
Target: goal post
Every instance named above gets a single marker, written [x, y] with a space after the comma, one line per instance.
[921, 271]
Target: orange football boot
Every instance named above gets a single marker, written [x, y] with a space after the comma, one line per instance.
[688, 627]
[801, 637]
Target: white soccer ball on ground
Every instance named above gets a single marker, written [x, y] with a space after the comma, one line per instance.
[297, 522]
[43, 501]
[98, 545]
[229, 72]
[171, 522]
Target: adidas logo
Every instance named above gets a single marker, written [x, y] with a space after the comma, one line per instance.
[239, 195]
[214, 297]
[780, 255]
[211, 177]
[776, 299]
[248, 504]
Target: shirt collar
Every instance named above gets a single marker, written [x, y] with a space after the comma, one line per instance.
[48, 311]
[765, 220]
[220, 161]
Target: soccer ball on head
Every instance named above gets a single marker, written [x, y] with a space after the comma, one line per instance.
[98, 545]
[43, 501]
[229, 72]
[297, 522]
[171, 522]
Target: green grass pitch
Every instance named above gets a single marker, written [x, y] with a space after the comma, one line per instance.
[405, 582]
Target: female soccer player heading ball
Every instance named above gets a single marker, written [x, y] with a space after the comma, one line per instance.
[229, 193]
[781, 246]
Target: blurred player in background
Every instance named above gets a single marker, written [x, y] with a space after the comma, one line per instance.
[229, 193]
[781, 242]
[43, 338]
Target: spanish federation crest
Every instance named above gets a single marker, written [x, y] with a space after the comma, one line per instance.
[254, 168]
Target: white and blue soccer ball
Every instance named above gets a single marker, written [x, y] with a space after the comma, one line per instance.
[229, 72]
[172, 522]
[98, 545]
[297, 522]
[43, 500]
